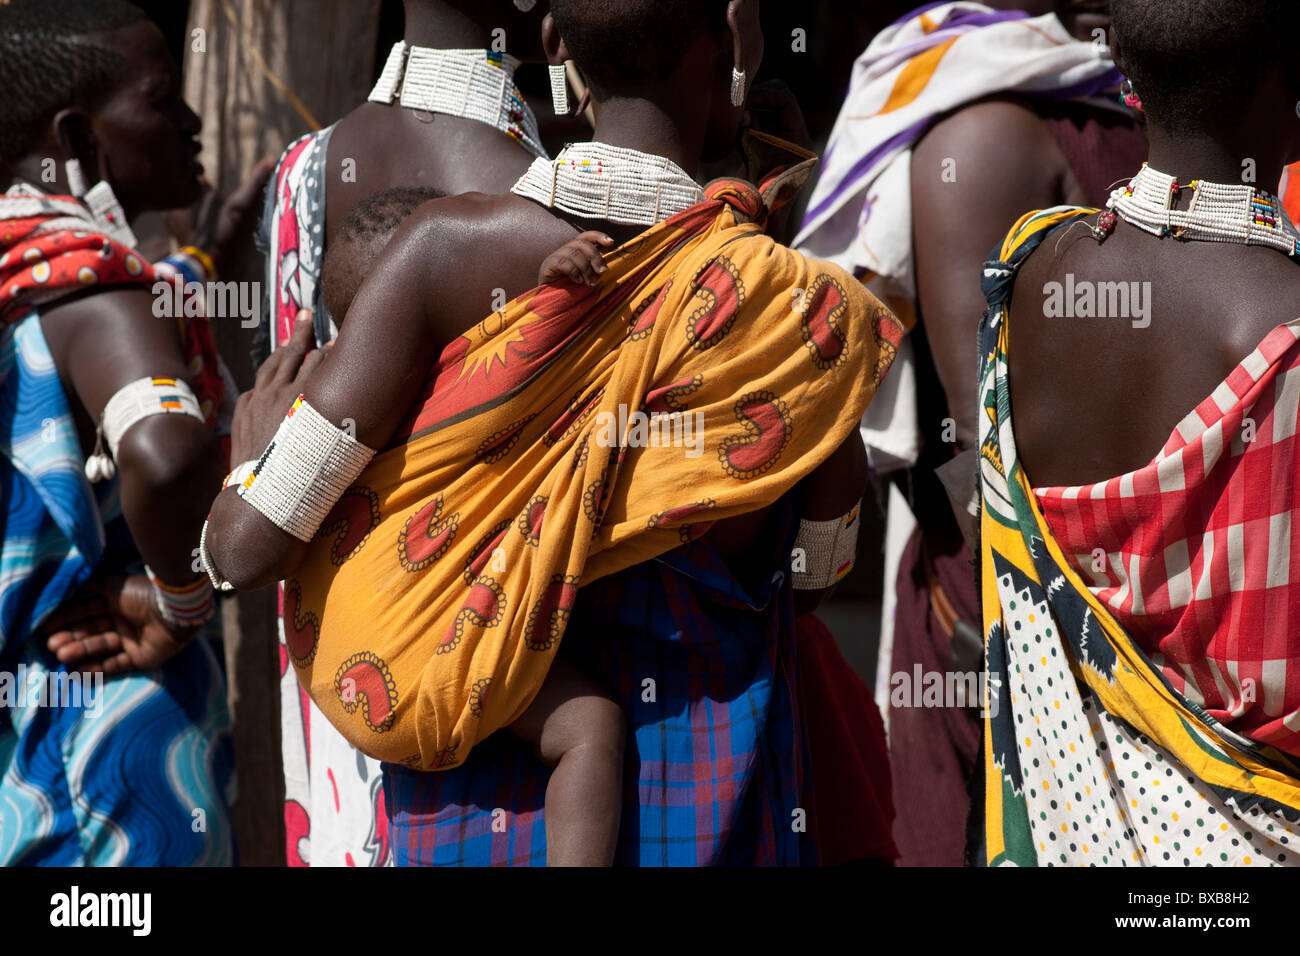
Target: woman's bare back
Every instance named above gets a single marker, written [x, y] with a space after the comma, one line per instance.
[1096, 397]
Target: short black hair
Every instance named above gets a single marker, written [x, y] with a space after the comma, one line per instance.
[361, 238]
[1187, 58]
[378, 216]
[51, 58]
[632, 44]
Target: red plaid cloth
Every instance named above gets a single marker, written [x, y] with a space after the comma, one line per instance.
[1194, 552]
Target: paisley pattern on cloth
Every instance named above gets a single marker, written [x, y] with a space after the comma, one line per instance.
[520, 426]
[1096, 754]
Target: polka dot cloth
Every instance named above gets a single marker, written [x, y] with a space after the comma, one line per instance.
[1099, 793]
[296, 243]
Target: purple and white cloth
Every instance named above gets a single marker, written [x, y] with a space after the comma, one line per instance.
[938, 58]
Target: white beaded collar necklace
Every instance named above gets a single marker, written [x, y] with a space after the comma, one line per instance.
[1219, 212]
[597, 181]
[474, 84]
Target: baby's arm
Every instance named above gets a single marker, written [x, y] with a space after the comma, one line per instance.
[577, 260]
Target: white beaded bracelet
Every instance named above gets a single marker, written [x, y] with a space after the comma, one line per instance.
[828, 550]
[305, 470]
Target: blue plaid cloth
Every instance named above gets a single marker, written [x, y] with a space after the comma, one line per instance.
[703, 667]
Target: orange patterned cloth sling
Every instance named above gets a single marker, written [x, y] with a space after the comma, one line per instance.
[433, 599]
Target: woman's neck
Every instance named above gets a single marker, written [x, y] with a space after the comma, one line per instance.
[430, 23]
[31, 170]
[1233, 159]
[642, 125]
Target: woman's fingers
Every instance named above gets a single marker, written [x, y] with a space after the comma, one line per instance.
[295, 350]
[90, 648]
[314, 358]
[290, 354]
[117, 664]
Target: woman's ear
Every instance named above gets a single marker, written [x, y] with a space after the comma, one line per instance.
[552, 43]
[72, 131]
[1116, 55]
[746, 35]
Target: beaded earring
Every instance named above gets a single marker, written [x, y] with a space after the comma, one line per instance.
[1128, 96]
[109, 214]
[559, 89]
[76, 178]
[737, 87]
[102, 203]
[523, 6]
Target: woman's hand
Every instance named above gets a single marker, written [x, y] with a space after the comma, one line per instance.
[223, 226]
[280, 380]
[114, 626]
[774, 109]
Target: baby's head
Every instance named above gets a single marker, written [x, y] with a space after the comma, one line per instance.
[360, 240]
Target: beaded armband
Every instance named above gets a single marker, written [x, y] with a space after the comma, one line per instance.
[132, 403]
[239, 474]
[191, 262]
[827, 549]
[305, 470]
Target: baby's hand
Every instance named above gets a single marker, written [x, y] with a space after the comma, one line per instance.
[577, 260]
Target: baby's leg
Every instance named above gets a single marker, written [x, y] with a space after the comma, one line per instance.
[577, 731]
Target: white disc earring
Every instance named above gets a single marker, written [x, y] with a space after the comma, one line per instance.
[559, 89]
[737, 87]
[523, 6]
[76, 178]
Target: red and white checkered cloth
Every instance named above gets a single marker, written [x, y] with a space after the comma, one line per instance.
[1197, 553]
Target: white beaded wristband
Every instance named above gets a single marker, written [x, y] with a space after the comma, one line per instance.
[189, 605]
[305, 470]
[828, 550]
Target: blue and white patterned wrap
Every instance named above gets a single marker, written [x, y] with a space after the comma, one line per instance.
[53, 536]
[142, 772]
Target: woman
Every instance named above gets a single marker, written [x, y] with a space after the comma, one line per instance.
[1018, 109]
[1140, 612]
[481, 139]
[109, 456]
[703, 661]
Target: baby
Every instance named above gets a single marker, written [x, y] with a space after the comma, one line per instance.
[573, 726]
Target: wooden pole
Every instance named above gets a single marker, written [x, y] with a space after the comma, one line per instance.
[261, 73]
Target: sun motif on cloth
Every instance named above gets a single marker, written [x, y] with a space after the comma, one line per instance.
[511, 433]
[495, 353]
